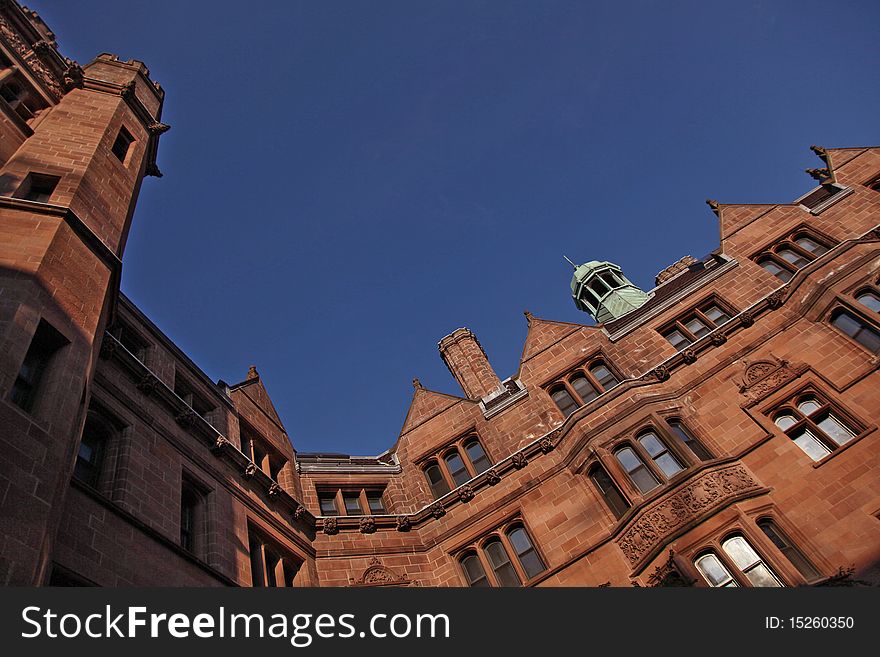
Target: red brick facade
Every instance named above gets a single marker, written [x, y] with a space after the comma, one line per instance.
[121, 463]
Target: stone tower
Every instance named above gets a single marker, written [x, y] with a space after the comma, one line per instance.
[77, 143]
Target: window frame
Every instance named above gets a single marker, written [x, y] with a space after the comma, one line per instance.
[794, 546]
[789, 404]
[860, 317]
[696, 312]
[457, 447]
[598, 466]
[267, 546]
[200, 529]
[715, 547]
[788, 241]
[563, 382]
[339, 493]
[501, 534]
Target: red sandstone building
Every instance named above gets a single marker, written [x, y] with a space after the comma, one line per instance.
[719, 429]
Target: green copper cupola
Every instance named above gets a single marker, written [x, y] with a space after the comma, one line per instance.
[601, 290]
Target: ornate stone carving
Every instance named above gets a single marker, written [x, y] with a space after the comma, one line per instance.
[109, 347]
[249, 471]
[718, 339]
[185, 418]
[299, 512]
[819, 174]
[127, 90]
[746, 318]
[157, 128]
[437, 510]
[403, 524]
[689, 356]
[331, 527]
[31, 56]
[661, 373]
[775, 300]
[546, 445]
[654, 525]
[274, 490]
[519, 460]
[492, 477]
[220, 444]
[762, 377]
[367, 525]
[465, 493]
[73, 76]
[378, 575]
[148, 384]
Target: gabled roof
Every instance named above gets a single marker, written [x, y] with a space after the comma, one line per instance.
[544, 333]
[426, 404]
[252, 387]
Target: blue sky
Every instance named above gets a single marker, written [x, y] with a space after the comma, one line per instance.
[347, 182]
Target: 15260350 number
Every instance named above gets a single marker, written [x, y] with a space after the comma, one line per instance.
[821, 622]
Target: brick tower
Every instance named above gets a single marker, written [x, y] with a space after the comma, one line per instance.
[76, 145]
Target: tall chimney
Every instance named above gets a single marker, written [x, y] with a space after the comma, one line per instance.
[465, 358]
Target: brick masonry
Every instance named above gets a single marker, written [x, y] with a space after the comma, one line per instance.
[166, 428]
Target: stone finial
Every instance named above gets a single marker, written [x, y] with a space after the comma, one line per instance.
[417, 384]
[818, 150]
[712, 203]
[252, 373]
[529, 316]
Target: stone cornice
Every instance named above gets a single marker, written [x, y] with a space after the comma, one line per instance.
[200, 428]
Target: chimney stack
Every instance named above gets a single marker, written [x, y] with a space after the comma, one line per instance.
[465, 358]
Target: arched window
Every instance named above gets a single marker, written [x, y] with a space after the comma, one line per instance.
[604, 376]
[869, 299]
[814, 425]
[691, 442]
[810, 245]
[564, 401]
[457, 469]
[436, 480]
[582, 386]
[792, 252]
[694, 324]
[789, 549]
[526, 553]
[92, 447]
[792, 257]
[499, 560]
[658, 451]
[640, 475]
[715, 572]
[739, 556]
[473, 570]
[609, 491]
[749, 563]
[477, 455]
[777, 270]
[857, 329]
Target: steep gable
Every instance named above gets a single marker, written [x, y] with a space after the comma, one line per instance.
[425, 405]
[544, 333]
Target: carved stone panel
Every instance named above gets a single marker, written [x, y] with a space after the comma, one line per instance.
[762, 377]
[378, 575]
[652, 527]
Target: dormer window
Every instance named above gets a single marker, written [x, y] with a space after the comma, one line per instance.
[791, 252]
[694, 324]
